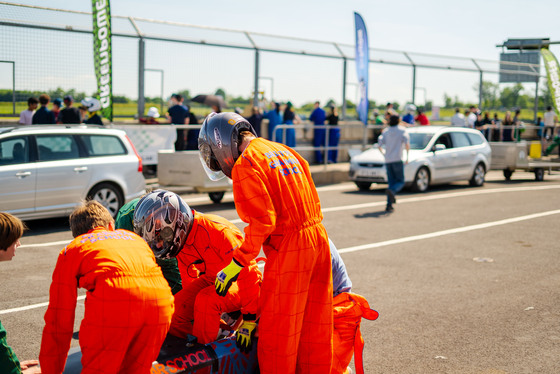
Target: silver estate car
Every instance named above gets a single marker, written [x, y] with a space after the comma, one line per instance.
[45, 171]
[438, 154]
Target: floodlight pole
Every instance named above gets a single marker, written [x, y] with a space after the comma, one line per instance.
[479, 84]
[13, 83]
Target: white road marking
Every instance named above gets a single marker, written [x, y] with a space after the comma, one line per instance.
[33, 306]
[448, 232]
[377, 245]
[470, 192]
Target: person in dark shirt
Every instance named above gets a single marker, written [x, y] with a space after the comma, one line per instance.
[334, 134]
[43, 115]
[256, 120]
[69, 114]
[56, 104]
[192, 135]
[178, 114]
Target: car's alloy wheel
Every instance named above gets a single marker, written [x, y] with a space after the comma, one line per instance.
[107, 195]
[421, 180]
[478, 176]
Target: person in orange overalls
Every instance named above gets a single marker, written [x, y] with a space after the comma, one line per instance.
[128, 305]
[203, 245]
[274, 194]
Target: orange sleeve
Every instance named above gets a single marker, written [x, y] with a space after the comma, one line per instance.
[254, 205]
[249, 283]
[59, 318]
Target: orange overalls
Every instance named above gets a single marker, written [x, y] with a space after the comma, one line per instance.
[210, 247]
[128, 306]
[349, 309]
[275, 195]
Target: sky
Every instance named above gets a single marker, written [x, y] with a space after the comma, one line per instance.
[436, 27]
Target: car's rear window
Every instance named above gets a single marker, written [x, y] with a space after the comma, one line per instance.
[57, 147]
[103, 145]
[475, 139]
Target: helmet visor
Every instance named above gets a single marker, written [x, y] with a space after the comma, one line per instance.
[210, 163]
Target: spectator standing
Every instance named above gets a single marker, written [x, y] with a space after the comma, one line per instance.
[318, 118]
[151, 116]
[178, 114]
[458, 119]
[274, 118]
[26, 116]
[507, 128]
[56, 104]
[378, 118]
[484, 125]
[540, 125]
[192, 135]
[70, 114]
[394, 138]
[43, 115]
[93, 106]
[517, 125]
[256, 120]
[472, 117]
[334, 134]
[389, 111]
[11, 231]
[409, 115]
[550, 122]
[496, 126]
[422, 119]
[290, 117]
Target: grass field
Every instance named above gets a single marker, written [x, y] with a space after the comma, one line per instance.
[128, 110]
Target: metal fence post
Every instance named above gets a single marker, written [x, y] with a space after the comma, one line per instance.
[141, 62]
[256, 94]
[344, 88]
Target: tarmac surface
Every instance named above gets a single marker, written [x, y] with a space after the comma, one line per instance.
[465, 279]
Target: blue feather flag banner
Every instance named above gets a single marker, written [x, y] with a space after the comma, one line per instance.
[362, 67]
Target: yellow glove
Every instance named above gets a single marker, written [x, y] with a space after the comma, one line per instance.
[245, 336]
[226, 277]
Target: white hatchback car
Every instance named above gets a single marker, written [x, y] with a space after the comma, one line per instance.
[45, 171]
[438, 154]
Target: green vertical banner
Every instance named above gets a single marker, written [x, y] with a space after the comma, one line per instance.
[553, 75]
[102, 55]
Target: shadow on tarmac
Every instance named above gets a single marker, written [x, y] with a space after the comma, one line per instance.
[47, 226]
[380, 214]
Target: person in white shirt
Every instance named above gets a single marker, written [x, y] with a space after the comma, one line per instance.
[471, 119]
[26, 117]
[550, 121]
[458, 119]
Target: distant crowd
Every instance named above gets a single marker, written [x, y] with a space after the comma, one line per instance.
[62, 111]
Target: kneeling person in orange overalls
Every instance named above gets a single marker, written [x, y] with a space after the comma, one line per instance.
[128, 305]
[203, 245]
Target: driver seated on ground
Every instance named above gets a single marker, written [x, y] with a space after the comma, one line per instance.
[203, 245]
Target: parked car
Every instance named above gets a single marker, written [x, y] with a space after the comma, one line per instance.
[438, 154]
[45, 171]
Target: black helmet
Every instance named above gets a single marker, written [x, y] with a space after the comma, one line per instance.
[164, 221]
[218, 142]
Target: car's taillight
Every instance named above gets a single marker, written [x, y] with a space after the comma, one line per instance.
[136, 153]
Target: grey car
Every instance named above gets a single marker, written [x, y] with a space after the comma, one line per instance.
[45, 171]
[438, 154]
